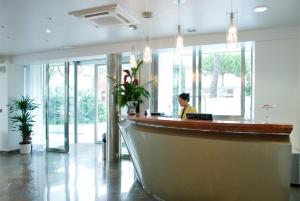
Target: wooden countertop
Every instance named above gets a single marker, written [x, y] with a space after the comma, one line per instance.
[214, 126]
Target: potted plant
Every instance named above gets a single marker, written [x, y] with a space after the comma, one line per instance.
[21, 120]
[129, 92]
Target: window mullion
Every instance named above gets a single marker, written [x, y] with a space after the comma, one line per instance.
[243, 72]
[199, 79]
[194, 76]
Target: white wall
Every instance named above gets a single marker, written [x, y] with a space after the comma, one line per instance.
[277, 64]
[276, 83]
[4, 113]
[15, 90]
[168, 42]
[11, 85]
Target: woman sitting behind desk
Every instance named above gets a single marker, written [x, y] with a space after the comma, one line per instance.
[183, 100]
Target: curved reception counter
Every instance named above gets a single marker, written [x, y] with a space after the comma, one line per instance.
[209, 160]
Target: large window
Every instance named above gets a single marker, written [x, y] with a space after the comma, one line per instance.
[173, 78]
[218, 79]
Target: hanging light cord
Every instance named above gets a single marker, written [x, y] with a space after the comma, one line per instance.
[179, 12]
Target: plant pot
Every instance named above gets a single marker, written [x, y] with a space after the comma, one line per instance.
[132, 107]
[25, 148]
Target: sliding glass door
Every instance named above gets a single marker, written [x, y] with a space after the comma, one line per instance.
[101, 103]
[91, 101]
[75, 105]
[57, 107]
[86, 106]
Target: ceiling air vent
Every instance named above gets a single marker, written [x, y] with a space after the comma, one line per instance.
[106, 15]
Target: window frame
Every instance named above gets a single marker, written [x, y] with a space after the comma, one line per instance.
[197, 83]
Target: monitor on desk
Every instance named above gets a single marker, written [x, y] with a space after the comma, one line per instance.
[199, 116]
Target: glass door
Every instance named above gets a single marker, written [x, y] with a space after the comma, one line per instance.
[101, 103]
[57, 107]
[90, 96]
[75, 103]
[86, 104]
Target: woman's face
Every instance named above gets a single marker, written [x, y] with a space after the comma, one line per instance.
[182, 102]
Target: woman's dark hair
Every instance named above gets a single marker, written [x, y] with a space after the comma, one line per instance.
[185, 96]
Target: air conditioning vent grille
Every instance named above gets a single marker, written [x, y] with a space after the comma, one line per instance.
[106, 15]
[96, 14]
[123, 18]
[109, 20]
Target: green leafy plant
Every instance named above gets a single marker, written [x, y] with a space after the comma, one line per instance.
[20, 111]
[130, 90]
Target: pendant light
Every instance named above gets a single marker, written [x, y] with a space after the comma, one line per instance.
[232, 33]
[147, 55]
[132, 61]
[179, 38]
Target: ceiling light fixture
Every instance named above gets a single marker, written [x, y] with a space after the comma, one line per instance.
[179, 38]
[260, 9]
[232, 33]
[132, 61]
[48, 31]
[147, 14]
[147, 55]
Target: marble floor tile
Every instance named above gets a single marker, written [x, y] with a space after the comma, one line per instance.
[81, 175]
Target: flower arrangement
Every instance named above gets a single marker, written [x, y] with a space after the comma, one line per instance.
[130, 90]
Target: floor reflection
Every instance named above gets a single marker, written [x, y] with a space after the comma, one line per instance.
[80, 175]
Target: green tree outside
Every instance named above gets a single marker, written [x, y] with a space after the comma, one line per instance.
[230, 63]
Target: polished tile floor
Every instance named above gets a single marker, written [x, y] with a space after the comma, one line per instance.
[80, 175]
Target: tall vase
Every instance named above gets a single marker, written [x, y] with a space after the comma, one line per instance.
[131, 107]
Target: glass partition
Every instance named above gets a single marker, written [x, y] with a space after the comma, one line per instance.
[86, 108]
[101, 101]
[57, 108]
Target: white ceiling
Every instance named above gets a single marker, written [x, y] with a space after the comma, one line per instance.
[23, 23]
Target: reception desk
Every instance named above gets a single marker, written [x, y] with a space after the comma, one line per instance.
[209, 160]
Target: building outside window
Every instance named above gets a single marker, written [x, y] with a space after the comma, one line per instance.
[218, 79]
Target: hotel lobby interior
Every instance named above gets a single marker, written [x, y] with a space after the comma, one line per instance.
[106, 79]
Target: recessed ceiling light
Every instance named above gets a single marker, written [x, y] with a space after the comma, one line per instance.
[48, 31]
[260, 9]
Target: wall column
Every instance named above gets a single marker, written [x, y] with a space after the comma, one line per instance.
[113, 138]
